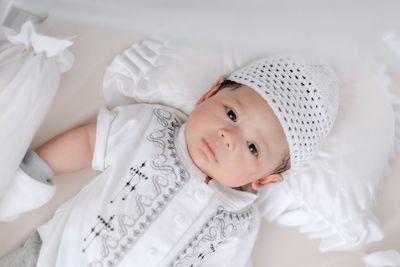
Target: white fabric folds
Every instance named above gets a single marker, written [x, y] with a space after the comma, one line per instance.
[124, 78]
[24, 194]
[388, 258]
[333, 197]
[30, 68]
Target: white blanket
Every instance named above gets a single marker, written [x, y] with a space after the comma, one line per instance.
[78, 101]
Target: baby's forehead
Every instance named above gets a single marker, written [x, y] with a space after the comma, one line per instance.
[248, 98]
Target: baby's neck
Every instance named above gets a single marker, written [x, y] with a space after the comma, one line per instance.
[243, 188]
[246, 188]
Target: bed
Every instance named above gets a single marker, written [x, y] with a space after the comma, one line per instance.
[78, 101]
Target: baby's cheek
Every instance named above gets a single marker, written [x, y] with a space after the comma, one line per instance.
[248, 170]
[237, 173]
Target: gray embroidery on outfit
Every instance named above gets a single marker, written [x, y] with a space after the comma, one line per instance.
[222, 225]
[120, 234]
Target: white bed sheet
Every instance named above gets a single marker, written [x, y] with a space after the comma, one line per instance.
[78, 101]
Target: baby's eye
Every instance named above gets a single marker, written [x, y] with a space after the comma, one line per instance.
[231, 114]
[253, 148]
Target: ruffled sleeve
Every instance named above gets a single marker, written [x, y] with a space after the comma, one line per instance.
[125, 79]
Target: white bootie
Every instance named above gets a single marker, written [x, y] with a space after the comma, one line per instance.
[24, 194]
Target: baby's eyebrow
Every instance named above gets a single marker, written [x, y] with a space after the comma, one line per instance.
[264, 141]
[241, 108]
[239, 103]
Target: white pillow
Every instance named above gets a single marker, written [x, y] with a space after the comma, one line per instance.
[332, 197]
[165, 72]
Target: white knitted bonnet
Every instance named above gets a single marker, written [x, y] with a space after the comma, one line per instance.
[303, 95]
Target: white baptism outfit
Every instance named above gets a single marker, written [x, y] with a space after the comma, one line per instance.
[150, 205]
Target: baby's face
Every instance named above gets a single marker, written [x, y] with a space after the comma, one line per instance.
[234, 137]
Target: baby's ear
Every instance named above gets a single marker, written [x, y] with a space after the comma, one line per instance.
[212, 91]
[270, 179]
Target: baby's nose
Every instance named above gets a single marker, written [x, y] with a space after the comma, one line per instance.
[228, 137]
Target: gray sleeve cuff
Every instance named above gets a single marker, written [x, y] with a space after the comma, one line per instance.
[37, 168]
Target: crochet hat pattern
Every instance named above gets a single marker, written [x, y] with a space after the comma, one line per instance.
[303, 95]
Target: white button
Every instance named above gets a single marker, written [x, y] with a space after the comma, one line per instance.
[152, 252]
[179, 218]
[200, 194]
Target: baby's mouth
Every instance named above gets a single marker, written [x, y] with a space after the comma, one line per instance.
[209, 149]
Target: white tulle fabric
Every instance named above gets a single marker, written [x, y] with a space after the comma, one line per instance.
[30, 68]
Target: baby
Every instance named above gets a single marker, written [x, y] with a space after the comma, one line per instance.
[179, 190]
